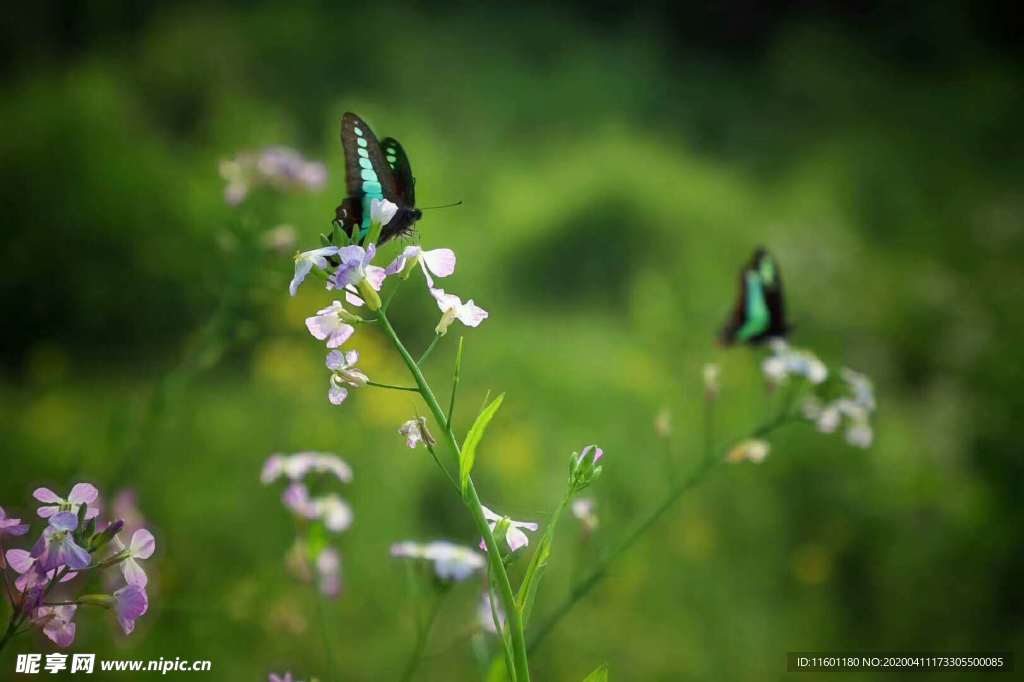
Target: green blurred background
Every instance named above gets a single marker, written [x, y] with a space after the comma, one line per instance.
[617, 163]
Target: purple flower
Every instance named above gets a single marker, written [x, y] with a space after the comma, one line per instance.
[452, 308]
[57, 546]
[29, 577]
[328, 566]
[304, 263]
[344, 372]
[514, 536]
[329, 324]
[356, 271]
[57, 623]
[82, 493]
[278, 167]
[296, 498]
[331, 509]
[11, 526]
[298, 466]
[130, 602]
[439, 262]
[142, 546]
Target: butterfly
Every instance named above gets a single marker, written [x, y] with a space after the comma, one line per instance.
[374, 170]
[760, 312]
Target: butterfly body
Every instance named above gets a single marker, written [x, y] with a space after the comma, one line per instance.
[759, 313]
[375, 171]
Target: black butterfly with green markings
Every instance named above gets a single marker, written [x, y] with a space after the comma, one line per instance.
[375, 170]
[760, 312]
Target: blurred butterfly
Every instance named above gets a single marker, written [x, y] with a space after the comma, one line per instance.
[760, 313]
[375, 170]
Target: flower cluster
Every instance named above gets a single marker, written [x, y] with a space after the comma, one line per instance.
[785, 362]
[854, 406]
[451, 562]
[350, 270]
[281, 168]
[72, 545]
[326, 512]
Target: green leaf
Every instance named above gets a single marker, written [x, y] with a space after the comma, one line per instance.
[599, 675]
[531, 579]
[476, 433]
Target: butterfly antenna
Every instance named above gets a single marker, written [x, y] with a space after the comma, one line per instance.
[430, 208]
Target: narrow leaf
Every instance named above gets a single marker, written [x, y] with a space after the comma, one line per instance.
[534, 572]
[476, 433]
[599, 675]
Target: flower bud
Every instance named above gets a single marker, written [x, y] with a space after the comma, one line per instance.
[369, 294]
[584, 468]
[106, 535]
[104, 600]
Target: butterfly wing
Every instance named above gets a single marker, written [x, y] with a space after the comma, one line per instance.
[398, 162]
[367, 175]
[759, 312]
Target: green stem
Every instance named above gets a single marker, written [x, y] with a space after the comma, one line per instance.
[472, 501]
[12, 627]
[437, 460]
[393, 387]
[426, 353]
[422, 638]
[601, 569]
[709, 427]
[455, 383]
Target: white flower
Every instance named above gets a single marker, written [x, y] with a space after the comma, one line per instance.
[452, 308]
[296, 467]
[329, 324]
[583, 508]
[304, 263]
[439, 262]
[382, 211]
[415, 432]
[486, 614]
[786, 361]
[333, 511]
[514, 535]
[751, 450]
[344, 373]
[451, 562]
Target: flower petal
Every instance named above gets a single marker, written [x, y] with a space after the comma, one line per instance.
[441, 262]
[143, 544]
[46, 495]
[133, 573]
[83, 493]
[471, 314]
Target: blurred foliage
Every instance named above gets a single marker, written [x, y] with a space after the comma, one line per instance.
[616, 170]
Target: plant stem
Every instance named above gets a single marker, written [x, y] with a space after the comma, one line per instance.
[455, 383]
[422, 638]
[472, 502]
[393, 387]
[430, 347]
[12, 626]
[601, 569]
